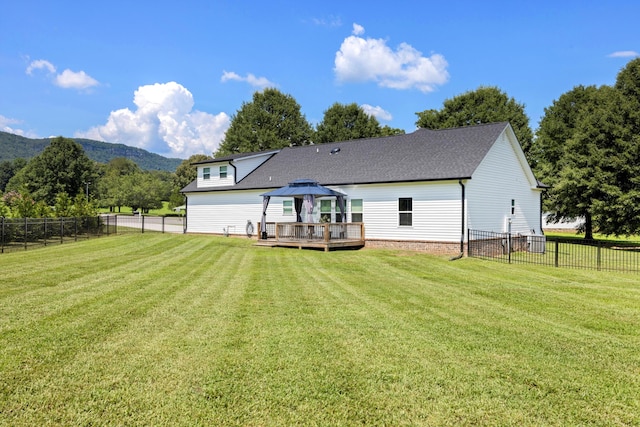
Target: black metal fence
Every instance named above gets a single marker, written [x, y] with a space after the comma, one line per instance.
[29, 233]
[553, 251]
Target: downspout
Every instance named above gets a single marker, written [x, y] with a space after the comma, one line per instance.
[235, 172]
[541, 211]
[461, 254]
[186, 217]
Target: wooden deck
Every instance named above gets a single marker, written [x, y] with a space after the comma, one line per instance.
[314, 236]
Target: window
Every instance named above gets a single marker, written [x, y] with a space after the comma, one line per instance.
[325, 210]
[356, 210]
[206, 173]
[223, 172]
[287, 207]
[405, 210]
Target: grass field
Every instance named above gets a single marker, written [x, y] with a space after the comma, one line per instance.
[161, 329]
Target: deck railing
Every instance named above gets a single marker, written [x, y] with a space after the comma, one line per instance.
[318, 232]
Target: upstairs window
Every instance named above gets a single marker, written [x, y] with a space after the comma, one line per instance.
[223, 172]
[206, 173]
[405, 211]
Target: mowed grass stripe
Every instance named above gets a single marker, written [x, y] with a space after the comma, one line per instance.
[141, 302]
[199, 330]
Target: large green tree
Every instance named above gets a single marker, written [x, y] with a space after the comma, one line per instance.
[112, 186]
[344, 122]
[63, 166]
[483, 105]
[271, 120]
[143, 190]
[8, 169]
[628, 83]
[587, 151]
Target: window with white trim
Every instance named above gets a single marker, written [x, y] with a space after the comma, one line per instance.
[356, 210]
[206, 173]
[223, 172]
[325, 210]
[287, 207]
[405, 211]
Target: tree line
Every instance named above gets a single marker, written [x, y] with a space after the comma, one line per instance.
[62, 181]
[586, 150]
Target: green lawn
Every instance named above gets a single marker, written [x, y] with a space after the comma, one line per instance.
[160, 329]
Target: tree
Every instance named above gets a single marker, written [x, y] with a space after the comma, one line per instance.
[63, 166]
[628, 83]
[483, 105]
[389, 131]
[587, 151]
[345, 122]
[143, 190]
[111, 186]
[8, 169]
[272, 120]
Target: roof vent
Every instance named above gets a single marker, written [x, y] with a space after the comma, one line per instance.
[335, 150]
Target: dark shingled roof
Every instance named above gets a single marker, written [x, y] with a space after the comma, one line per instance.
[424, 155]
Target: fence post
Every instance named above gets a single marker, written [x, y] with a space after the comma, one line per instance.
[45, 231]
[162, 225]
[469, 246]
[25, 233]
[598, 257]
[61, 230]
[108, 217]
[509, 246]
[557, 255]
[142, 220]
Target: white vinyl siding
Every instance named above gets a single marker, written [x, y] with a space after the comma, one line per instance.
[497, 181]
[213, 212]
[215, 176]
[244, 167]
[436, 212]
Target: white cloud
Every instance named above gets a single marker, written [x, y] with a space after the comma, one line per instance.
[40, 64]
[5, 123]
[164, 122]
[257, 82]
[361, 60]
[67, 79]
[377, 112]
[624, 54]
[75, 80]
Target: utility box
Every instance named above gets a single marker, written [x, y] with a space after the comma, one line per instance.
[536, 243]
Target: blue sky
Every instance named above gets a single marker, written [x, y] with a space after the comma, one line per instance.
[168, 76]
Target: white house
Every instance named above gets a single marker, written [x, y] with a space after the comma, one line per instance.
[421, 190]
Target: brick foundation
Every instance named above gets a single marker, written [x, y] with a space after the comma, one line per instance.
[436, 248]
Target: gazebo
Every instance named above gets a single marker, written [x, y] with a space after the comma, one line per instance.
[304, 192]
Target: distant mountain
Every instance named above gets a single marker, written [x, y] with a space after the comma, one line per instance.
[16, 146]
